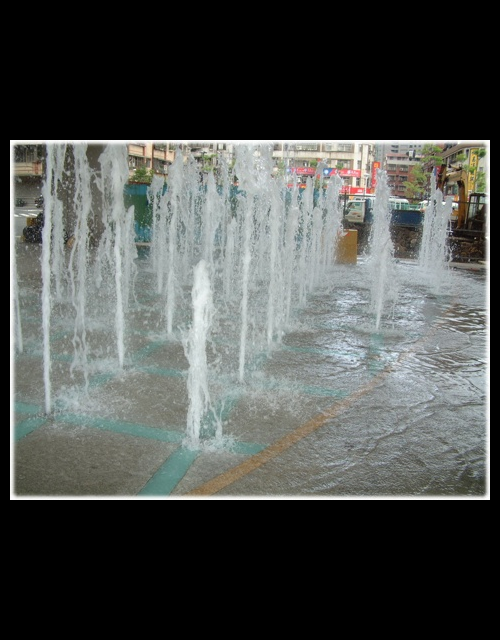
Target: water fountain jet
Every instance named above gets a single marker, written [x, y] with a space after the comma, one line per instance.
[268, 250]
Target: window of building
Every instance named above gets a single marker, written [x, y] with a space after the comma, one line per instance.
[344, 164]
[160, 166]
[306, 146]
[134, 162]
[25, 153]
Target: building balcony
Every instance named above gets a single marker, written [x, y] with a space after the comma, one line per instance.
[137, 150]
[28, 168]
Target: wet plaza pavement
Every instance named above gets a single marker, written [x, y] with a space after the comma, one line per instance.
[336, 410]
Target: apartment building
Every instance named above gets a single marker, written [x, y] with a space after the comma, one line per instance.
[456, 155]
[352, 161]
[398, 160]
[297, 160]
[150, 155]
[28, 171]
[398, 167]
[355, 162]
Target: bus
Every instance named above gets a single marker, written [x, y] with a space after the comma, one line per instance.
[363, 205]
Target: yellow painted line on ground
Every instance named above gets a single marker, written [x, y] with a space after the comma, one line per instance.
[275, 449]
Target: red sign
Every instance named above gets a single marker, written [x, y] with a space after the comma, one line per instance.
[304, 171]
[355, 191]
[375, 168]
[345, 173]
[352, 191]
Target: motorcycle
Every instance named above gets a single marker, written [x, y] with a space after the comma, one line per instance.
[33, 232]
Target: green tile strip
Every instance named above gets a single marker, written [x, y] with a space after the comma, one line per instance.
[146, 351]
[23, 407]
[322, 391]
[168, 476]
[170, 373]
[28, 425]
[127, 428]
[247, 448]
[101, 378]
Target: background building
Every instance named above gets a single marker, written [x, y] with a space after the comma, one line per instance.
[355, 162]
[466, 154]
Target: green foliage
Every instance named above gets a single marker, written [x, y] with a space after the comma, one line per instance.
[432, 155]
[142, 174]
[481, 182]
[480, 176]
[418, 187]
[281, 168]
[481, 186]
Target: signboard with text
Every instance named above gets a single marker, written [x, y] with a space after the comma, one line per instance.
[473, 164]
[375, 168]
[343, 173]
[303, 171]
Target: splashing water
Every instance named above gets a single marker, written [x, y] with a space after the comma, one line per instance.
[52, 247]
[434, 256]
[117, 242]
[16, 320]
[65, 274]
[195, 344]
[78, 262]
[383, 288]
[251, 256]
[265, 247]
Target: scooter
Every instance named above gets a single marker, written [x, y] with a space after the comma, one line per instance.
[33, 232]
